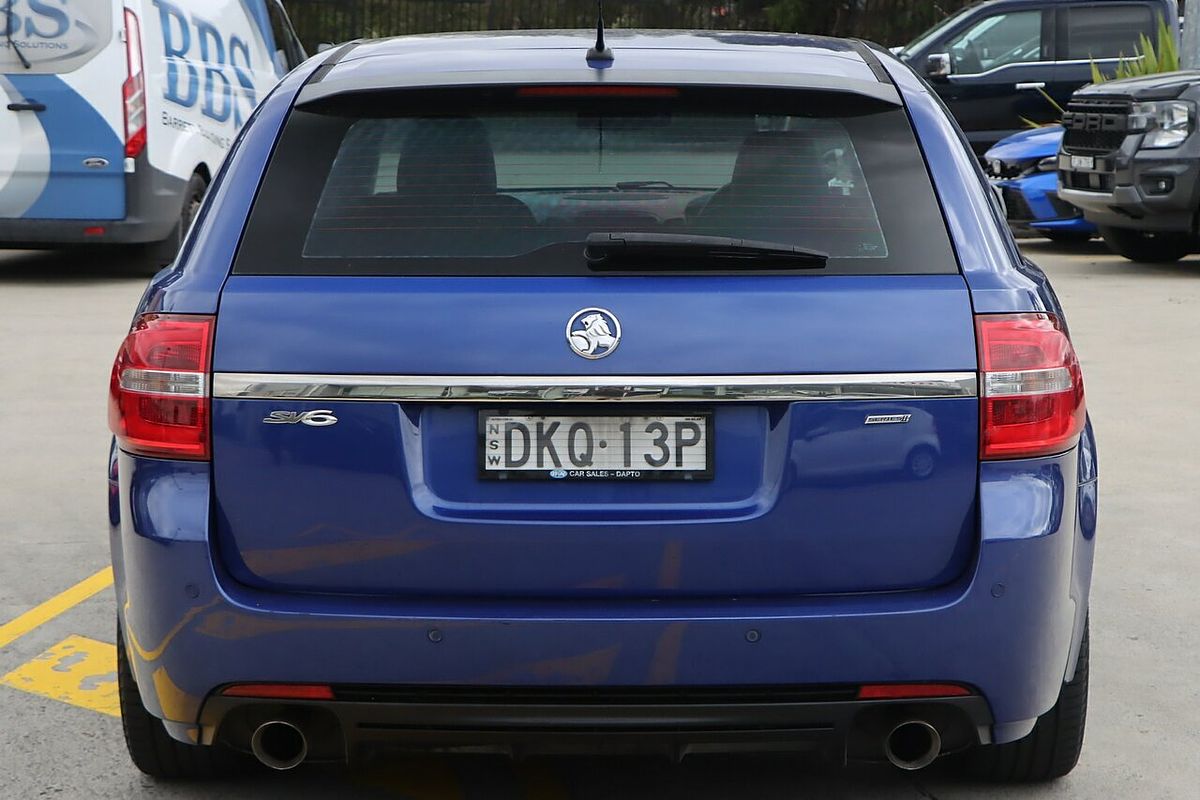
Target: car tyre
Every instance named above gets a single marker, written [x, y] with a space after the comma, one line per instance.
[1051, 750]
[1149, 248]
[149, 258]
[152, 749]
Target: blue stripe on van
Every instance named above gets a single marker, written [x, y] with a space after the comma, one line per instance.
[257, 11]
[76, 131]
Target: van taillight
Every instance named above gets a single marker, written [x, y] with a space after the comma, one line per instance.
[134, 89]
[158, 395]
[1032, 402]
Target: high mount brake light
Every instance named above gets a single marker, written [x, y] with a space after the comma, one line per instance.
[133, 91]
[597, 91]
[1032, 394]
[159, 396]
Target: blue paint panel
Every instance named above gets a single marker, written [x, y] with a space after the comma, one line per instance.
[805, 499]
[76, 131]
[671, 325]
[193, 283]
[987, 253]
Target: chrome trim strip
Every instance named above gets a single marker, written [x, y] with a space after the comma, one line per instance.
[1013, 65]
[601, 388]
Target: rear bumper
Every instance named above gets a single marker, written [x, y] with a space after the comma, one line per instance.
[153, 203]
[1009, 627]
[512, 722]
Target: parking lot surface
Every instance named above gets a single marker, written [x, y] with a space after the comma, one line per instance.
[1136, 328]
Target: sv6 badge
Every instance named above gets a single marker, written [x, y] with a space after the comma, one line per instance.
[317, 419]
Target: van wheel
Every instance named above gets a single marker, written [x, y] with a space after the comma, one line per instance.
[1150, 248]
[150, 258]
[152, 749]
[1051, 750]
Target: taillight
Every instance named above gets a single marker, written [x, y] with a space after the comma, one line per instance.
[158, 394]
[1032, 401]
[134, 89]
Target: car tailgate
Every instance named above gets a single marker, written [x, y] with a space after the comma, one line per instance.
[806, 497]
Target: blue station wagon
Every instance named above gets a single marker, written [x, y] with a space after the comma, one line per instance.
[513, 394]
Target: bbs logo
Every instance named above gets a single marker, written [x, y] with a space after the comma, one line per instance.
[206, 67]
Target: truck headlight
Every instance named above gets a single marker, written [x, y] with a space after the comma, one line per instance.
[1166, 124]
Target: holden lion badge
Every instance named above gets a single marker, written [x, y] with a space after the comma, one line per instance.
[594, 333]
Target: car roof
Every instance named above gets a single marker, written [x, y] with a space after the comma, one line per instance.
[713, 58]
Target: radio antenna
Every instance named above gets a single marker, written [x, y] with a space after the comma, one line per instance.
[600, 52]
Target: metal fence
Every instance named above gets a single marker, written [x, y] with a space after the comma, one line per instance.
[886, 21]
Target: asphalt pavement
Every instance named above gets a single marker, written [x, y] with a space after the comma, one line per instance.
[1137, 330]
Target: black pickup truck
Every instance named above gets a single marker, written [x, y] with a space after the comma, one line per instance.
[1131, 160]
[991, 61]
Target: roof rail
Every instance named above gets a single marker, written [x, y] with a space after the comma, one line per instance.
[328, 64]
[867, 52]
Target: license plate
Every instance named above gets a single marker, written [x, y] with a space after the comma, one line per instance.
[1083, 162]
[606, 447]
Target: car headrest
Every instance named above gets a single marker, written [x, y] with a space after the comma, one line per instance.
[775, 157]
[447, 156]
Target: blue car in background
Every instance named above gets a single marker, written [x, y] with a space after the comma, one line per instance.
[1025, 169]
[512, 394]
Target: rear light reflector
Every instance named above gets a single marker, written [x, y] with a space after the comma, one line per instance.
[133, 91]
[280, 691]
[1032, 394]
[597, 91]
[159, 394]
[909, 691]
[94, 230]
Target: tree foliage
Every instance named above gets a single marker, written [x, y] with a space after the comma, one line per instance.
[888, 22]
[885, 21]
[1146, 59]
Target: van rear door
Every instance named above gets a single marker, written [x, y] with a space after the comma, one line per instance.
[61, 116]
[427, 384]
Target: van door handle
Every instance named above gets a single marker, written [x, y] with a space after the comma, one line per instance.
[1022, 87]
[28, 105]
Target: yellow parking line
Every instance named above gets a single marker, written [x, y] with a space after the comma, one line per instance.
[77, 670]
[60, 603]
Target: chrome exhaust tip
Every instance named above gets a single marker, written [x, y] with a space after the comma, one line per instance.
[279, 745]
[912, 745]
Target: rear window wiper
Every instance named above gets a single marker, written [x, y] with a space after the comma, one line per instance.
[653, 251]
[8, 35]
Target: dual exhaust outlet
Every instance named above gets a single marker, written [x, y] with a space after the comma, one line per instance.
[279, 744]
[913, 744]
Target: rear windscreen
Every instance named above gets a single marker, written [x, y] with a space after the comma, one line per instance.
[514, 181]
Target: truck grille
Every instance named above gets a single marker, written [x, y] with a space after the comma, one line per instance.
[1095, 126]
[1089, 181]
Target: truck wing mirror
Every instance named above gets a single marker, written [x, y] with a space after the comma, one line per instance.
[939, 66]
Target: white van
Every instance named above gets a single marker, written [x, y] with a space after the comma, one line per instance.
[116, 115]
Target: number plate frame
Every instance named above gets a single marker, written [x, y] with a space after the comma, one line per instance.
[590, 476]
